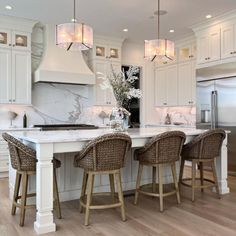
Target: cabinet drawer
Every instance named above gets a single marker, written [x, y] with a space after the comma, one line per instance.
[4, 165]
[4, 150]
[3, 146]
[4, 157]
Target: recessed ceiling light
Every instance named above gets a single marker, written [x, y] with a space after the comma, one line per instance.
[171, 31]
[8, 7]
[208, 16]
[125, 30]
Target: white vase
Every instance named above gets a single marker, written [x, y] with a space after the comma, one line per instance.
[119, 119]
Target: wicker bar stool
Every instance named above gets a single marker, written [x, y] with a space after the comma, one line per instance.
[163, 149]
[205, 148]
[103, 155]
[23, 160]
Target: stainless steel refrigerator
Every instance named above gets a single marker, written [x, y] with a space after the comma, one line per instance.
[216, 108]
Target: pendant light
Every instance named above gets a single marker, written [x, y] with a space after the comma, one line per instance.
[160, 49]
[74, 36]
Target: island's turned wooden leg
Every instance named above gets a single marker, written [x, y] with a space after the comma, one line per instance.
[44, 189]
[222, 168]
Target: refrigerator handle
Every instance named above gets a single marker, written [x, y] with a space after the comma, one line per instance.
[212, 109]
[215, 108]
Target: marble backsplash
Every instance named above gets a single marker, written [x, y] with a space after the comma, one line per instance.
[56, 103]
[183, 115]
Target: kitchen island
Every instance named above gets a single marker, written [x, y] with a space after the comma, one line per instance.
[50, 143]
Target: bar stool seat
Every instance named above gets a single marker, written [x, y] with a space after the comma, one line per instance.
[23, 160]
[161, 150]
[205, 148]
[103, 155]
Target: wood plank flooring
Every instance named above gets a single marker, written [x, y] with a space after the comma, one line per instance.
[207, 216]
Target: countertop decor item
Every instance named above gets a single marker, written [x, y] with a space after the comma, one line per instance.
[103, 115]
[11, 116]
[24, 120]
[167, 119]
[123, 91]
[74, 35]
[160, 49]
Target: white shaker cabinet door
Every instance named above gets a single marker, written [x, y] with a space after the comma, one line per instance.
[202, 49]
[21, 77]
[214, 46]
[160, 87]
[5, 75]
[187, 84]
[227, 41]
[172, 85]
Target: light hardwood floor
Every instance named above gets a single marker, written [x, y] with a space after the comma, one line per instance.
[207, 216]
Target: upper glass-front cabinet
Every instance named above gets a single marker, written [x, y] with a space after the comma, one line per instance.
[187, 52]
[17, 40]
[106, 51]
[100, 51]
[21, 40]
[114, 53]
[5, 38]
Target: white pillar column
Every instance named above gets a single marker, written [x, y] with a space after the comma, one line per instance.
[44, 189]
[222, 168]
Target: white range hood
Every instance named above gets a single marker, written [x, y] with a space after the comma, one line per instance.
[61, 66]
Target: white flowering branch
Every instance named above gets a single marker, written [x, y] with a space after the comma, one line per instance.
[123, 88]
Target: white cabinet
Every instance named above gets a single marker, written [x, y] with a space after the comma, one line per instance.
[160, 87]
[187, 52]
[228, 41]
[107, 50]
[5, 38]
[15, 39]
[21, 77]
[187, 83]
[4, 157]
[5, 75]
[104, 97]
[15, 76]
[166, 86]
[15, 62]
[172, 85]
[208, 46]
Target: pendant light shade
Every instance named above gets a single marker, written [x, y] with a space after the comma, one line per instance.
[159, 49]
[74, 36]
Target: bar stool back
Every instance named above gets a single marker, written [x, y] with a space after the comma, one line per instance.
[205, 148]
[163, 149]
[23, 160]
[103, 155]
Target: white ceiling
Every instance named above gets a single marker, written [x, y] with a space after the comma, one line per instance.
[109, 17]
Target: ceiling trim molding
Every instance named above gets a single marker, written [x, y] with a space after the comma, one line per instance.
[104, 39]
[16, 23]
[228, 16]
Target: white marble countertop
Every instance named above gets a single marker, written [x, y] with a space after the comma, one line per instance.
[86, 135]
[17, 129]
[171, 125]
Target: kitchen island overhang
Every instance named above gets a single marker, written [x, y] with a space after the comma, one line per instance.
[49, 143]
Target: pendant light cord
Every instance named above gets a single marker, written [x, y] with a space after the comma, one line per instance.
[74, 10]
[158, 20]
